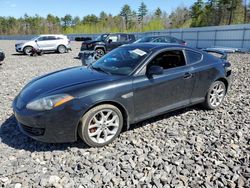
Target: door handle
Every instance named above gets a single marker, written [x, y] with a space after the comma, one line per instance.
[188, 75]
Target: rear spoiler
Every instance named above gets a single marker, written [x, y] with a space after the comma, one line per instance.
[223, 54]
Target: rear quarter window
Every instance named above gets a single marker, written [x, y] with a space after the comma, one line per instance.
[193, 57]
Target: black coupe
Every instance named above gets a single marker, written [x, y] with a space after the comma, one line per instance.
[130, 84]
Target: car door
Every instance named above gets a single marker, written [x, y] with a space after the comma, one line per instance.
[112, 42]
[52, 43]
[203, 71]
[43, 43]
[160, 93]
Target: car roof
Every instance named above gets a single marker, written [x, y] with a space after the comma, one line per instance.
[117, 34]
[158, 36]
[52, 35]
[156, 46]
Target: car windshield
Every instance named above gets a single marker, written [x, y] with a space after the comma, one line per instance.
[145, 39]
[121, 61]
[101, 37]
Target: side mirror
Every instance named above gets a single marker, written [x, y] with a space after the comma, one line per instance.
[155, 70]
[110, 40]
[35, 40]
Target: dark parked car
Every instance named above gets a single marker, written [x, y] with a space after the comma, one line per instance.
[105, 43]
[161, 39]
[128, 85]
[2, 56]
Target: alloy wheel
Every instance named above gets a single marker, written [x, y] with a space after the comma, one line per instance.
[217, 94]
[103, 126]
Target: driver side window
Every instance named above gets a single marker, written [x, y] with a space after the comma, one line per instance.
[168, 59]
[42, 39]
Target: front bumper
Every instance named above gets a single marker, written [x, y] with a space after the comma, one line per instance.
[82, 52]
[55, 126]
[19, 49]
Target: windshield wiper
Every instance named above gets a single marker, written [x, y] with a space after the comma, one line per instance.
[99, 69]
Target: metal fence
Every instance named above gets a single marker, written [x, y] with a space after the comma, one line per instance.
[234, 36]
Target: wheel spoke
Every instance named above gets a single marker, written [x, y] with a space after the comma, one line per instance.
[105, 134]
[113, 132]
[108, 114]
[97, 132]
[112, 125]
[113, 119]
[94, 126]
[99, 135]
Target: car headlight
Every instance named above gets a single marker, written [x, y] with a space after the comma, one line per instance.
[48, 103]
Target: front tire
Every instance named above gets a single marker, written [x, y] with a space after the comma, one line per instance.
[215, 95]
[99, 53]
[28, 50]
[101, 125]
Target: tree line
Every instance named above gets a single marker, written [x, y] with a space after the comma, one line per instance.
[201, 13]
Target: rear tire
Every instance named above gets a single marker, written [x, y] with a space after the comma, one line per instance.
[101, 125]
[215, 95]
[61, 49]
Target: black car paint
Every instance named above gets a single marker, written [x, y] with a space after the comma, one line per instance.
[2, 55]
[137, 95]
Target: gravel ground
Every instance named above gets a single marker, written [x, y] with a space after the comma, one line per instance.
[188, 148]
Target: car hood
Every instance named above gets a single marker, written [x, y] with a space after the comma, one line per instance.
[59, 80]
[92, 42]
[21, 42]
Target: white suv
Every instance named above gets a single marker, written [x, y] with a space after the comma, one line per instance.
[59, 43]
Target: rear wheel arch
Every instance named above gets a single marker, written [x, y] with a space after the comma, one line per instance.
[61, 45]
[224, 81]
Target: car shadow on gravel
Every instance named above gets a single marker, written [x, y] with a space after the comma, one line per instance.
[17, 54]
[14, 138]
[167, 115]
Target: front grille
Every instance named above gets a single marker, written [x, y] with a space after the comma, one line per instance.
[33, 131]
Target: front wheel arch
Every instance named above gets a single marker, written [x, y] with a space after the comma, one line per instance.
[87, 118]
[123, 110]
[28, 46]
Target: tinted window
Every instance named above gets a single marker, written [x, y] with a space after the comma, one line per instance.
[160, 39]
[145, 39]
[123, 38]
[169, 59]
[168, 39]
[51, 38]
[59, 38]
[42, 38]
[193, 57]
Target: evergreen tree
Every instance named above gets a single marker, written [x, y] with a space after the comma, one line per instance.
[158, 13]
[126, 14]
[142, 12]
